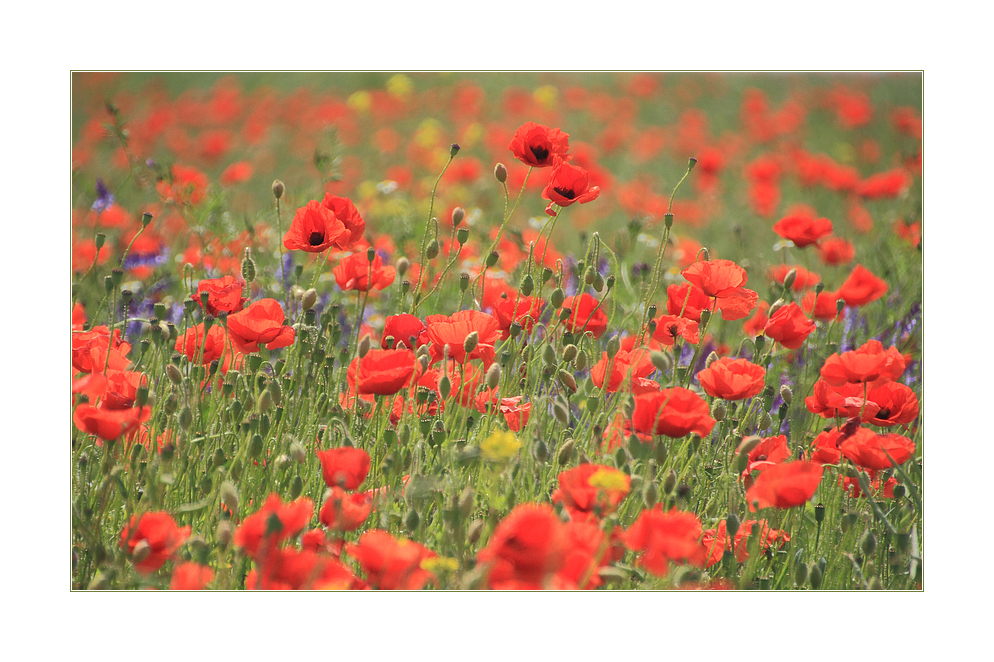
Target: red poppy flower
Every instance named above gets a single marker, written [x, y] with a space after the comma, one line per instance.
[197, 347]
[624, 364]
[686, 300]
[586, 314]
[528, 545]
[822, 306]
[662, 537]
[383, 371]
[188, 185]
[732, 379]
[887, 404]
[591, 490]
[391, 563]
[190, 577]
[789, 327]
[260, 323]
[515, 413]
[293, 570]
[851, 485]
[589, 550]
[524, 310]
[836, 251]
[315, 228]
[716, 541]
[89, 350]
[108, 424]
[867, 363]
[803, 279]
[671, 327]
[356, 272]
[406, 330]
[862, 287]
[888, 184]
[453, 330]
[345, 512]
[258, 533]
[767, 453]
[723, 280]
[869, 450]
[803, 230]
[344, 467]
[237, 173]
[784, 486]
[568, 184]
[825, 447]
[755, 325]
[538, 146]
[674, 412]
[158, 533]
[223, 294]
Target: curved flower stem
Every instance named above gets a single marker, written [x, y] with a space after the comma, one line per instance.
[500, 233]
[279, 244]
[424, 239]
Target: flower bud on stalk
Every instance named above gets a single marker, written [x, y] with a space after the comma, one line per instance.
[458, 214]
[248, 267]
[493, 376]
[788, 280]
[670, 482]
[364, 346]
[146, 219]
[229, 496]
[567, 380]
[454, 149]
[278, 189]
[500, 173]
[432, 252]
[565, 451]
[471, 342]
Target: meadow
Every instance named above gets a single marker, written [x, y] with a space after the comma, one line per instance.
[635, 331]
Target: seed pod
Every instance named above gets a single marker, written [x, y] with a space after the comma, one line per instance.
[492, 258]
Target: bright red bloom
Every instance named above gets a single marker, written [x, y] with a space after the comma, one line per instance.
[275, 522]
[588, 552]
[789, 327]
[538, 146]
[89, 350]
[635, 363]
[525, 311]
[836, 251]
[767, 453]
[867, 363]
[407, 330]
[391, 564]
[861, 287]
[662, 537]
[200, 349]
[294, 570]
[568, 184]
[851, 485]
[591, 491]
[686, 300]
[723, 281]
[384, 371]
[825, 447]
[888, 184]
[344, 467]
[887, 404]
[260, 324]
[716, 541]
[671, 327]
[453, 330]
[108, 424]
[346, 512]
[160, 535]
[586, 314]
[515, 413]
[190, 577]
[223, 294]
[803, 230]
[316, 228]
[755, 325]
[528, 545]
[355, 272]
[732, 379]
[803, 279]
[784, 485]
[870, 450]
[822, 306]
[674, 412]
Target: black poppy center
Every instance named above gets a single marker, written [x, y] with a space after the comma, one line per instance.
[541, 153]
[673, 330]
[565, 192]
[316, 239]
[883, 414]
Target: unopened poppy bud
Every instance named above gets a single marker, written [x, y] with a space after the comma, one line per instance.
[500, 173]
[255, 446]
[718, 411]
[613, 346]
[265, 402]
[278, 189]
[186, 418]
[659, 360]
[557, 297]
[670, 482]
[432, 252]
[458, 214]
[541, 452]
[569, 353]
[309, 299]
[141, 551]
[788, 280]
[650, 494]
[297, 292]
[565, 451]
[493, 375]
[453, 149]
[712, 357]
[99, 240]
[765, 421]
[899, 491]
[229, 496]
[869, 544]
[549, 356]
[412, 520]
[786, 394]
[527, 285]
[471, 342]
[492, 258]
[222, 534]
[561, 413]
[364, 345]
[800, 574]
[814, 576]
[474, 531]
[146, 219]
[732, 524]
[297, 452]
[567, 380]
[174, 375]
[581, 360]
[445, 387]
[588, 275]
[774, 307]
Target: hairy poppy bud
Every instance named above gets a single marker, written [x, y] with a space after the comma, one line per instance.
[474, 531]
[569, 353]
[581, 360]
[454, 149]
[472, 340]
[412, 520]
[549, 356]
[659, 360]
[403, 264]
[445, 387]
[732, 524]
[567, 380]
[774, 307]
[718, 411]
[500, 173]
[565, 451]
[493, 376]
[255, 446]
[278, 189]
[613, 346]
[869, 544]
[225, 529]
[670, 482]
[248, 268]
[229, 495]
[650, 494]
[174, 375]
[800, 574]
[561, 413]
[364, 345]
[788, 280]
[814, 576]
[527, 285]
[186, 418]
[557, 297]
[141, 551]
[712, 357]
[786, 394]
[432, 251]
[458, 214]
[765, 421]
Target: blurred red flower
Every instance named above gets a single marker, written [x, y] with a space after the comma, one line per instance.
[586, 314]
[223, 294]
[523, 310]
[732, 379]
[108, 424]
[870, 450]
[237, 173]
[155, 537]
[391, 563]
[722, 280]
[275, 522]
[344, 467]
[453, 330]
[528, 546]
[867, 363]
[623, 364]
[591, 491]
[383, 371]
[836, 251]
[190, 577]
[663, 537]
[356, 272]
[861, 287]
[803, 230]
[345, 512]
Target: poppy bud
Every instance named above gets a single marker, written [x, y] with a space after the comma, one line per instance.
[668, 220]
[609, 282]
[800, 574]
[788, 280]
[278, 189]
[786, 394]
[549, 356]
[141, 551]
[493, 376]
[255, 446]
[500, 173]
[774, 307]
[569, 353]
[146, 219]
[248, 267]
[492, 258]
[565, 451]
[899, 491]
[472, 340]
[650, 494]
[309, 299]
[432, 251]
[581, 360]
[814, 576]
[869, 544]
[99, 240]
[174, 375]
[474, 531]
[670, 482]
[445, 387]
[660, 361]
[364, 346]
[613, 346]
[705, 317]
[588, 276]
[186, 418]
[732, 524]
[718, 411]
[458, 214]
[567, 380]
[265, 402]
[229, 496]
[453, 150]
[225, 529]
[561, 413]
[765, 421]
[557, 297]
[412, 520]
[541, 452]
